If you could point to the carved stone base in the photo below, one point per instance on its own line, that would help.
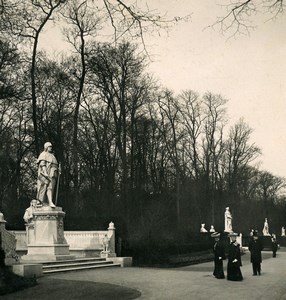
(46, 239)
(106, 254)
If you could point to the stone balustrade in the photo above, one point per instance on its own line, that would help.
(81, 243)
(21, 243)
(7, 243)
(85, 239)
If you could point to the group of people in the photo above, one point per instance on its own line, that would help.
(234, 256)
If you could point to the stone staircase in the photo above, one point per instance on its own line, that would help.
(51, 267)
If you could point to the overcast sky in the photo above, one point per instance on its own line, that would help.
(247, 70)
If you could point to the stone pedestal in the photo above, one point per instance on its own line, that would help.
(106, 254)
(45, 236)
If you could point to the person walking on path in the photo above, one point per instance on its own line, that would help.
(219, 256)
(255, 247)
(274, 245)
(234, 259)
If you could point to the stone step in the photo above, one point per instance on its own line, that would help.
(79, 267)
(77, 260)
(75, 263)
(84, 263)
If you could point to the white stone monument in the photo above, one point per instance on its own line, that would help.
(227, 220)
(44, 220)
(283, 231)
(265, 230)
(203, 228)
(45, 236)
(212, 229)
(108, 243)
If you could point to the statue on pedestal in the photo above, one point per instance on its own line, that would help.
(265, 230)
(105, 243)
(45, 237)
(283, 231)
(227, 220)
(48, 168)
(203, 228)
(212, 229)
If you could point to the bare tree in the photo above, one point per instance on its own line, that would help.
(172, 133)
(239, 154)
(26, 22)
(213, 144)
(268, 189)
(192, 120)
(84, 24)
(240, 15)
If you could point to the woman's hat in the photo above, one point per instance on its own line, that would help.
(232, 234)
(215, 234)
(255, 233)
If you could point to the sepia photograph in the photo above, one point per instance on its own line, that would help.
(142, 149)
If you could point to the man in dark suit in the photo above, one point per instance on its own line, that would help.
(255, 247)
(274, 245)
(219, 256)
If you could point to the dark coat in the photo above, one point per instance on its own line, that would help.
(274, 245)
(219, 256)
(255, 247)
(219, 250)
(233, 267)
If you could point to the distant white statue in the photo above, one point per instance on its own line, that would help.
(28, 216)
(111, 225)
(105, 243)
(265, 230)
(212, 229)
(227, 220)
(283, 231)
(203, 228)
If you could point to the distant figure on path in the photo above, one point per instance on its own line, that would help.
(47, 175)
(227, 220)
(255, 247)
(234, 259)
(219, 256)
(266, 228)
(274, 246)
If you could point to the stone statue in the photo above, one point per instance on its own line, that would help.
(28, 216)
(283, 231)
(111, 225)
(47, 175)
(105, 243)
(212, 229)
(227, 220)
(203, 228)
(265, 230)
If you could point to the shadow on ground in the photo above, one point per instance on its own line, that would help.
(70, 289)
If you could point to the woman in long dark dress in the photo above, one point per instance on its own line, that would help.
(234, 260)
(219, 256)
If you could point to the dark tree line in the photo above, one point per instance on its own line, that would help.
(153, 162)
